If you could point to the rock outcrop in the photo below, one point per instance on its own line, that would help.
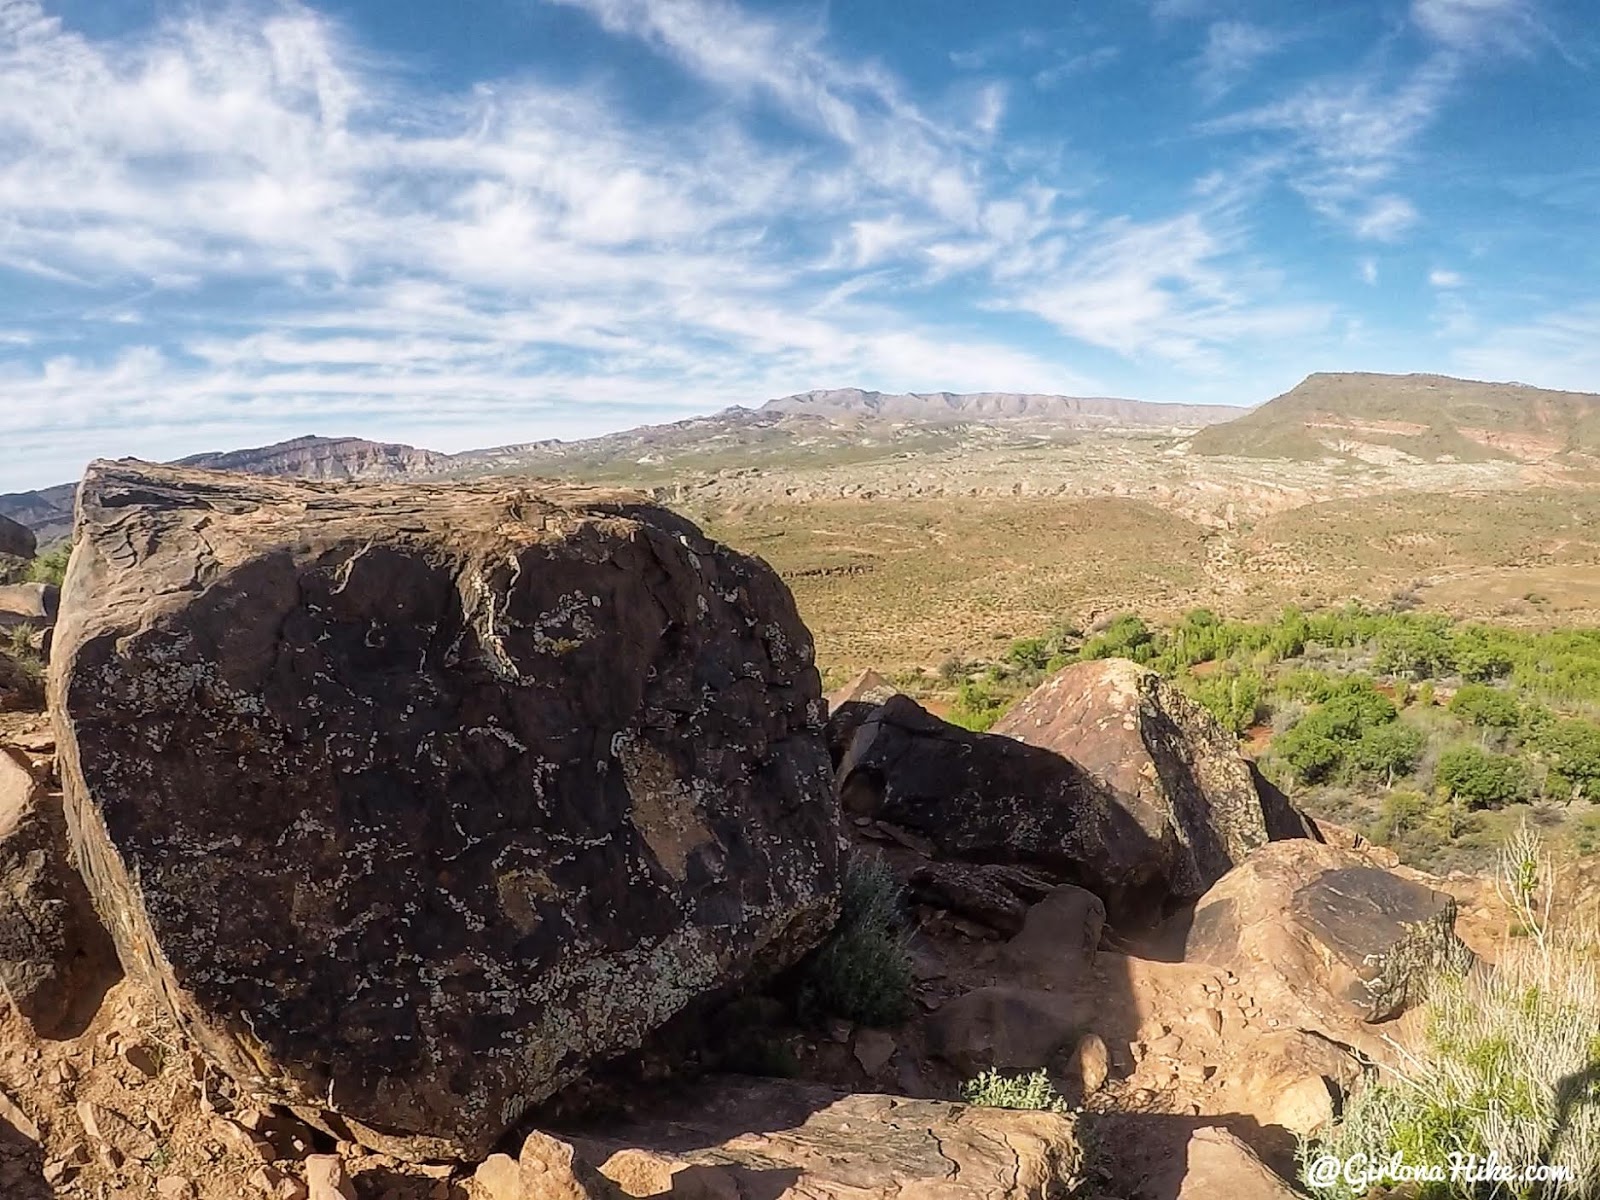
(32, 604)
(1177, 774)
(789, 1141)
(852, 704)
(1367, 938)
(995, 799)
(16, 539)
(413, 802)
(55, 958)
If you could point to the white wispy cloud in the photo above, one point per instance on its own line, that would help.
(1343, 139)
(1231, 51)
(1478, 25)
(1439, 277)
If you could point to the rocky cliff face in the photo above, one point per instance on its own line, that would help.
(415, 802)
(326, 458)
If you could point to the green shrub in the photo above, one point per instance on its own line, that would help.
(1232, 696)
(51, 566)
(1126, 637)
(978, 706)
(1491, 707)
(1481, 779)
(862, 972)
(1572, 749)
(994, 1090)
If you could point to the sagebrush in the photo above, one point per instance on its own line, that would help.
(994, 1090)
(1510, 1062)
(862, 973)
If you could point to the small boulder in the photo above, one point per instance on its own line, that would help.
(1091, 1063)
(1004, 1028)
(873, 1050)
(56, 959)
(1058, 938)
(16, 539)
(1170, 765)
(544, 1169)
(1218, 1166)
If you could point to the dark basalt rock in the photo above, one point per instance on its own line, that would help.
(992, 799)
(16, 539)
(414, 802)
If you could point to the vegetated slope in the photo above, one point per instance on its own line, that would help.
(837, 425)
(1430, 417)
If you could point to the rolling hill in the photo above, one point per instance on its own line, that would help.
(1433, 418)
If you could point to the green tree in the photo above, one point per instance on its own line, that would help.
(1388, 751)
(1572, 748)
(1415, 646)
(1481, 779)
(1491, 707)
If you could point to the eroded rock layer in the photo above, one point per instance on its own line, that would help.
(413, 802)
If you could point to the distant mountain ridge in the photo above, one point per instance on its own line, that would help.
(1433, 418)
(1077, 412)
(1353, 415)
(821, 419)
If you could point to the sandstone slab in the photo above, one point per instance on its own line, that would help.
(786, 1141)
(415, 801)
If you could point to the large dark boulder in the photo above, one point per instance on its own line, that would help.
(1171, 766)
(415, 801)
(983, 798)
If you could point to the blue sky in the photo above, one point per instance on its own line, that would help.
(499, 220)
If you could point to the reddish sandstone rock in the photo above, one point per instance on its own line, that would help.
(415, 801)
(1176, 773)
(1346, 939)
(791, 1141)
(994, 799)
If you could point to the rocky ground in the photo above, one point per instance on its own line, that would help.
(1109, 894)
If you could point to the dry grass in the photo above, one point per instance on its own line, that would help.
(896, 583)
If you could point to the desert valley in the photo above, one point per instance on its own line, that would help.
(996, 796)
